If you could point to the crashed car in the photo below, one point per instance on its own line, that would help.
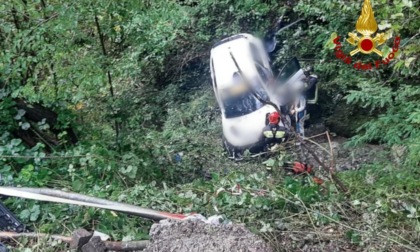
(244, 115)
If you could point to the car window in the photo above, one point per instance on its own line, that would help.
(259, 89)
(263, 72)
(238, 100)
(240, 104)
(289, 69)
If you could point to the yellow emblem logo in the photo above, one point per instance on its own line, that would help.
(366, 25)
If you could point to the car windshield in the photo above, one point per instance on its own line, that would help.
(238, 100)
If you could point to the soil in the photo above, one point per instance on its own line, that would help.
(344, 158)
(196, 235)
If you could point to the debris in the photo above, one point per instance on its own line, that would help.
(126, 246)
(317, 180)
(95, 244)
(104, 237)
(79, 238)
(8, 221)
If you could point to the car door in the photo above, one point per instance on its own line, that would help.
(290, 73)
(289, 82)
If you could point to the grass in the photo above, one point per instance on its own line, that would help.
(289, 214)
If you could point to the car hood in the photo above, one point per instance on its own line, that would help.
(246, 130)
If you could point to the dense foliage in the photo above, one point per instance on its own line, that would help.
(113, 99)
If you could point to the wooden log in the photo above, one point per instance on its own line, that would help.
(110, 245)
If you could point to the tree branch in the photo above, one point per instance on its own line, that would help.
(108, 73)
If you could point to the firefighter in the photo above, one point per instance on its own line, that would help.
(273, 133)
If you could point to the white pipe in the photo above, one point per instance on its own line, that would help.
(69, 195)
(143, 212)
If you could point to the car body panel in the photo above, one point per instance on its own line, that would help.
(246, 130)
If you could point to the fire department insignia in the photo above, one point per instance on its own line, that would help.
(366, 39)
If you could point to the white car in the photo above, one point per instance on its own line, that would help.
(243, 115)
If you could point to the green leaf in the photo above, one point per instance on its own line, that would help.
(35, 211)
(16, 141)
(333, 36)
(384, 25)
(386, 50)
(25, 126)
(353, 236)
(130, 171)
(270, 162)
(21, 112)
(394, 16)
(408, 61)
(77, 185)
(407, 3)
(25, 214)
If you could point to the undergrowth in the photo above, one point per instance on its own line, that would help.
(382, 203)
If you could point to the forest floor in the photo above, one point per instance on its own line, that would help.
(356, 230)
(314, 218)
(344, 157)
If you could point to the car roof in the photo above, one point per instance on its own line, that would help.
(223, 65)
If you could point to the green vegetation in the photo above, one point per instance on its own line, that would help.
(130, 81)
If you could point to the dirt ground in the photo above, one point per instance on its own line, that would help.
(344, 157)
(196, 235)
